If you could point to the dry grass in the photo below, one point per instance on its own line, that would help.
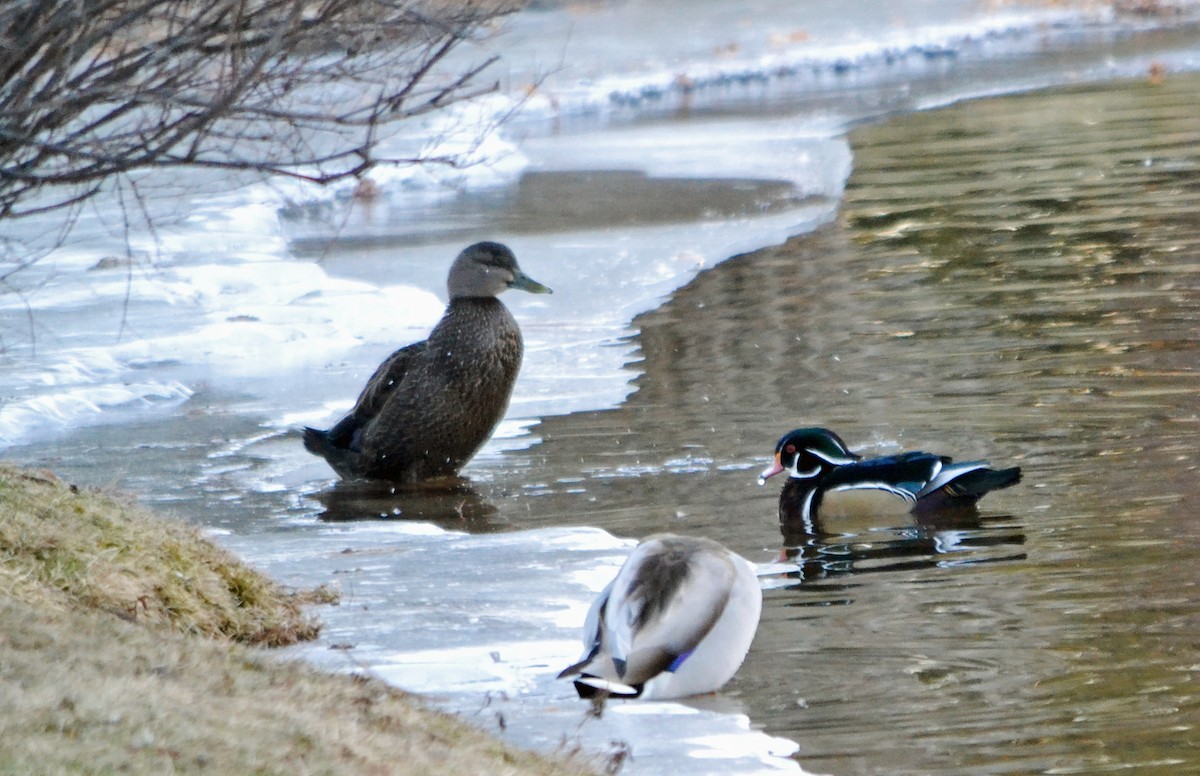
(87, 693)
(84, 691)
(62, 547)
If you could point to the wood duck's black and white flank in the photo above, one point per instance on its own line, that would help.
(677, 620)
(825, 479)
(431, 405)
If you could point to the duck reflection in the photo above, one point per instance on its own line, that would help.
(451, 503)
(823, 547)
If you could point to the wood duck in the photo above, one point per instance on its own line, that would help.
(677, 620)
(432, 404)
(826, 479)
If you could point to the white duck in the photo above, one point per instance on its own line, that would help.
(677, 620)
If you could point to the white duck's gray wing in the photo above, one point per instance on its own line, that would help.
(714, 661)
(663, 603)
(595, 668)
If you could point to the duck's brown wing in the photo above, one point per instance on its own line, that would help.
(386, 380)
(382, 385)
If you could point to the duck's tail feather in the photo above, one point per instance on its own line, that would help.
(577, 668)
(590, 686)
(347, 462)
(318, 442)
(975, 483)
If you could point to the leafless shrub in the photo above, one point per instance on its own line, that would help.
(90, 89)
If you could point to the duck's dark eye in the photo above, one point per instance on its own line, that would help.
(789, 449)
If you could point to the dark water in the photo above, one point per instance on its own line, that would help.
(1016, 279)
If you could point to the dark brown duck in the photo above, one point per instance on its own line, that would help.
(432, 404)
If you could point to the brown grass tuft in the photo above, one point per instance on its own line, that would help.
(63, 547)
(88, 692)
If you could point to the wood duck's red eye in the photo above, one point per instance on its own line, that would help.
(789, 449)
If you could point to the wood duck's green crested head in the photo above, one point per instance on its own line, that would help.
(808, 453)
(488, 269)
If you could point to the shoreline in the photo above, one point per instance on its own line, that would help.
(109, 666)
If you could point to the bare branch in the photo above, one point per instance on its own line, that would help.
(93, 88)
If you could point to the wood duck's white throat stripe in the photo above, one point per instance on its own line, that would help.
(799, 475)
(806, 511)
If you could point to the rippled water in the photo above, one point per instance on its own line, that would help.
(1014, 278)
(1017, 279)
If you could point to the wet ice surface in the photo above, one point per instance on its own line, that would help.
(640, 160)
(484, 623)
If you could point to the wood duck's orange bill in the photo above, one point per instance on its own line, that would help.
(775, 468)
